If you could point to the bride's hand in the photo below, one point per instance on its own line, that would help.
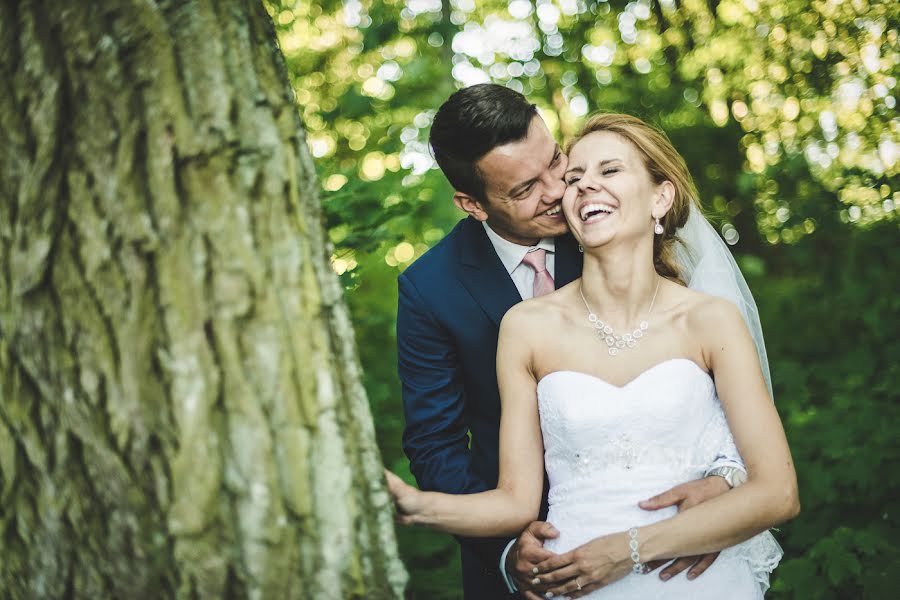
(407, 499)
(589, 567)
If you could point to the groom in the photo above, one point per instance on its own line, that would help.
(507, 171)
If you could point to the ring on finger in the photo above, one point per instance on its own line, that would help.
(578, 585)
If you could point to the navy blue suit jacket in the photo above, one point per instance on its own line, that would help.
(451, 301)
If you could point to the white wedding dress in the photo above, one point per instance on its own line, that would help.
(608, 447)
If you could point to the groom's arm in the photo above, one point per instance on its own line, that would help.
(726, 471)
(435, 438)
(683, 497)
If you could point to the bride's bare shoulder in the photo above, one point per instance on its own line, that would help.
(538, 314)
(713, 314)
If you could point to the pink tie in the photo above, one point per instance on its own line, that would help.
(543, 282)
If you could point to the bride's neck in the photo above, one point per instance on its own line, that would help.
(618, 285)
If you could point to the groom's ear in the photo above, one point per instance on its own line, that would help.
(665, 196)
(470, 206)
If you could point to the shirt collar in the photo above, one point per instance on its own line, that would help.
(511, 254)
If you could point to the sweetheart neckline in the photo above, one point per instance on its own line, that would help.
(633, 380)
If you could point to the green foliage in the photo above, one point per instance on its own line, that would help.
(833, 322)
(785, 113)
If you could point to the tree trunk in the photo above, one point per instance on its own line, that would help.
(181, 413)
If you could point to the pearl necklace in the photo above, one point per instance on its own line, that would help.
(614, 341)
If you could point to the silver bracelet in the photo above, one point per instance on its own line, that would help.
(638, 566)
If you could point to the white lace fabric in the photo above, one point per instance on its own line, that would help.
(608, 447)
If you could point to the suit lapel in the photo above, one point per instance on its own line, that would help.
(483, 274)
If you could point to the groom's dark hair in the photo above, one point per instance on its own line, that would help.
(471, 123)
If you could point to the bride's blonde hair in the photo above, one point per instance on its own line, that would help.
(663, 163)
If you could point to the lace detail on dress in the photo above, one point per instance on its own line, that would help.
(607, 447)
(763, 553)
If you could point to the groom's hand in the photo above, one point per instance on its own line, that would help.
(685, 496)
(526, 553)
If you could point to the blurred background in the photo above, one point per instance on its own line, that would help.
(786, 113)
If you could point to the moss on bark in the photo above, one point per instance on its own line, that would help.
(181, 413)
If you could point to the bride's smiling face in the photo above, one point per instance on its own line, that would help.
(610, 194)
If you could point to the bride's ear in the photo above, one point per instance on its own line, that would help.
(665, 196)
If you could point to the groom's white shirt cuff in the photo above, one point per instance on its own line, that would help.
(506, 578)
(726, 461)
(728, 456)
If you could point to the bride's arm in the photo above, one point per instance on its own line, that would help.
(767, 498)
(516, 501)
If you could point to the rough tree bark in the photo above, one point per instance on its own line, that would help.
(181, 413)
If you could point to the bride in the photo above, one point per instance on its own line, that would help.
(625, 383)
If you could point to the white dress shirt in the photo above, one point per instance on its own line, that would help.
(511, 256)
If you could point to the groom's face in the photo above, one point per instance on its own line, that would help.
(523, 188)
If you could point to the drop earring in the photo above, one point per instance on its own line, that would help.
(581, 248)
(659, 228)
